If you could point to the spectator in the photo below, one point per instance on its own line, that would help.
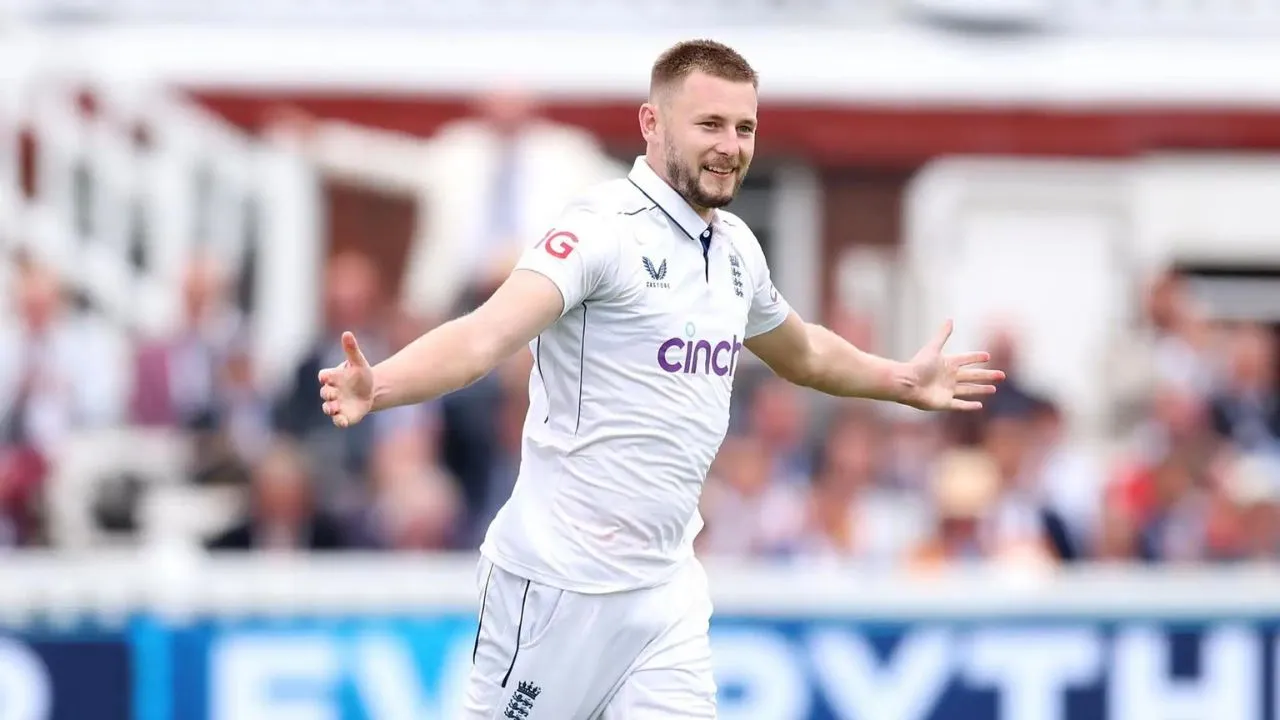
(963, 488)
(914, 441)
(176, 378)
(1067, 478)
(351, 302)
(970, 524)
(1020, 522)
(22, 472)
(1176, 527)
(851, 514)
(779, 424)
(239, 428)
(1172, 346)
(1013, 397)
(283, 514)
(1246, 409)
(1244, 524)
(1116, 541)
(421, 515)
(415, 503)
(747, 511)
(59, 371)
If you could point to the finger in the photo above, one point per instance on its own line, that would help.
(330, 408)
(965, 405)
(979, 375)
(354, 356)
(973, 358)
(966, 390)
(341, 421)
(329, 392)
(328, 376)
(944, 334)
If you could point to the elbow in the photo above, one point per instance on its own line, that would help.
(800, 370)
(792, 356)
(812, 364)
(806, 374)
(804, 364)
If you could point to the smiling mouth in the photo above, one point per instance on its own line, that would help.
(718, 173)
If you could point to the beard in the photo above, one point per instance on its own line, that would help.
(686, 180)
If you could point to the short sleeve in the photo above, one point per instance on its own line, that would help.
(578, 255)
(768, 307)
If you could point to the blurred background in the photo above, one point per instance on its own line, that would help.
(196, 198)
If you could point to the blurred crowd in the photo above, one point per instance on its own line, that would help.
(1188, 473)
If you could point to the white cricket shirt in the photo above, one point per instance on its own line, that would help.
(629, 394)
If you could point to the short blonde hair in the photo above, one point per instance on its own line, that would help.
(685, 58)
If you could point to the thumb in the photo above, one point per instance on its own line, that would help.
(944, 334)
(354, 356)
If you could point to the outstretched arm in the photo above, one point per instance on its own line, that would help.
(446, 359)
(812, 356)
(553, 276)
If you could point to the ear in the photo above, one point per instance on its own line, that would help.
(649, 121)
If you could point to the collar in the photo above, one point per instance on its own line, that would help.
(667, 199)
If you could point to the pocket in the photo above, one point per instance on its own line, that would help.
(543, 608)
(484, 575)
(484, 572)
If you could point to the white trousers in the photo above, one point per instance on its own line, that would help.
(547, 654)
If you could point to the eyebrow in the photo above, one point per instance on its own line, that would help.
(720, 118)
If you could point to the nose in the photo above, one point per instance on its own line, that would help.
(728, 144)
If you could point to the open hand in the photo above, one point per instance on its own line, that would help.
(347, 390)
(949, 382)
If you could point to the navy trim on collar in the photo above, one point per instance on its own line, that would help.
(670, 202)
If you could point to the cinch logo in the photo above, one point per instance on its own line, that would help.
(695, 356)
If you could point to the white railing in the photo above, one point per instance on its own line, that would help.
(622, 14)
(102, 199)
(1163, 17)
(1130, 18)
(1134, 17)
(174, 583)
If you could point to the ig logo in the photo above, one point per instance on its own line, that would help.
(559, 243)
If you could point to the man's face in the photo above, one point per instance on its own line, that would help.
(351, 290)
(706, 131)
(39, 298)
